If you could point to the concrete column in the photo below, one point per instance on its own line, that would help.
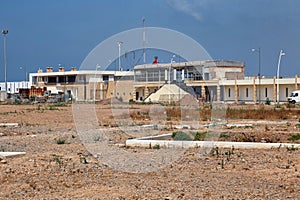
(254, 90)
(134, 94)
(146, 91)
(203, 91)
(174, 74)
(166, 75)
(236, 91)
(296, 82)
(101, 91)
(218, 93)
(274, 90)
(159, 76)
(182, 74)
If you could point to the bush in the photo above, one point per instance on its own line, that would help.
(294, 137)
(181, 136)
(60, 141)
(200, 136)
(268, 102)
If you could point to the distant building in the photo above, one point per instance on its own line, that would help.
(220, 81)
(85, 85)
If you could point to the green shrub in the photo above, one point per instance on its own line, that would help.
(179, 135)
(294, 137)
(268, 102)
(200, 136)
(53, 108)
(60, 141)
(157, 146)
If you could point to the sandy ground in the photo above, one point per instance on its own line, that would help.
(68, 171)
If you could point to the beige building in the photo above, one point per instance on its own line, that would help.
(222, 81)
(85, 85)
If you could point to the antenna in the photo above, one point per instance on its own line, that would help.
(144, 40)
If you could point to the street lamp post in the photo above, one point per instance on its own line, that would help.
(5, 32)
(259, 75)
(170, 67)
(119, 45)
(281, 53)
(25, 75)
(97, 67)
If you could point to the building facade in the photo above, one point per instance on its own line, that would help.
(220, 81)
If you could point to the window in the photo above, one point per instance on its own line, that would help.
(228, 92)
(286, 92)
(266, 92)
(247, 93)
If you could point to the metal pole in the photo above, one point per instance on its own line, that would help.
(119, 44)
(144, 41)
(278, 68)
(4, 32)
(259, 78)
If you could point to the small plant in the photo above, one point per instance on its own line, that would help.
(53, 108)
(268, 102)
(61, 105)
(182, 136)
(292, 148)
(224, 135)
(57, 159)
(83, 160)
(294, 137)
(60, 141)
(157, 146)
(200, 136)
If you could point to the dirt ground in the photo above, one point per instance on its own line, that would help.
(58, 166)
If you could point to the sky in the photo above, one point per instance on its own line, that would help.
(46, 33)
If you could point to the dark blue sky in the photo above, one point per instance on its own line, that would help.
(50, 32)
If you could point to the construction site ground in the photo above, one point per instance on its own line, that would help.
(57, 164)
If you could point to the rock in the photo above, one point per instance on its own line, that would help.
(2, 134)
(3, 162)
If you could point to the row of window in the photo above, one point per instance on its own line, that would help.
(266, 92)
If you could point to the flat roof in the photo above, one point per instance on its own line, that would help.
(84, 72)
(203, 63)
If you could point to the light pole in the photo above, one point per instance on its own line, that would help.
(97, 67)
(119, 45)
(259, 75)
(170, 66)
(5, 32)
(25, 75)
(281, 53)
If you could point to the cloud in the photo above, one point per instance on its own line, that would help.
(193, 8)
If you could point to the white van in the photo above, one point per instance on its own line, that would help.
(295, 97)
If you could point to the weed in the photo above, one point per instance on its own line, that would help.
(83, 160)
(61, 105)
(157, 146)
(224, 135)
(268, 102)
(294, 137)
(57, 159)
(53, 108)
(200, 136)
(60, 141)
(182, 136)
(292, 148)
